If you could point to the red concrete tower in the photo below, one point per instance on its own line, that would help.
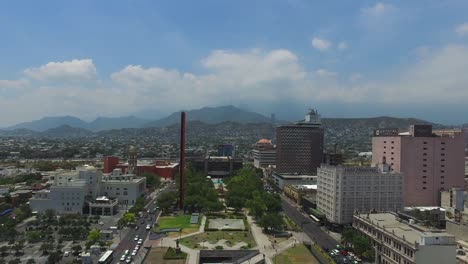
(182, 160)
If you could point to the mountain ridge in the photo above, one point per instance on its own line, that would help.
(207, 115)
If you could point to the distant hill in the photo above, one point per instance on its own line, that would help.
(50, 122)
(66, 131)
(373, 122)
(99, 124)
(19, 132)
(212, 115)
(107, 123)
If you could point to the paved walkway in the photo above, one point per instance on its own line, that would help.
(192, 253)
(265, 246)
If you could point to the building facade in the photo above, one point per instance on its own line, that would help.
(69, 191)
(282, 179)
(163, 168)
(399, 242)
(297, 192)
(452, 199)
(299, 147)
(431, 160)
(343, 190)
(264, 154)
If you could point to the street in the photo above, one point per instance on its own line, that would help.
(311, 229)
(127, 242)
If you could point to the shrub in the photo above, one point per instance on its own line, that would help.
(219, 247)
(172, 254)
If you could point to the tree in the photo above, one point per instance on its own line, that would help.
(271, 222)
(4, 250)
(152, 180)
(127, 218)
(46, 247)
(19, 245)
(94, 236)
(166, 200)
(235, 202)
(14, 261)
(31, 261)
(76, 249)
(49, 215)
(256, 205)
(53, 258)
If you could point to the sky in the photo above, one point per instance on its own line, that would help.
(150, 58)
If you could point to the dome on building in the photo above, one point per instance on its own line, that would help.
(264, 141)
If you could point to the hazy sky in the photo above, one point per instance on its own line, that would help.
(346, 58)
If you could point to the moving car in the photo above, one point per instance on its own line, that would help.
(123, 257)
(140, 241)
(136, 238)
(129, 259)
(126, 252)
(148, 227)
(134, 253)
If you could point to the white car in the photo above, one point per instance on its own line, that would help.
(129, 259)
(66, 254)
(136, 238)
(148, 227)
(137, 247)
(140, 241)
(126, 252)
(134, 253)
(123, 257)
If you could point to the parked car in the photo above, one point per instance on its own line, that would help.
(140, 241)
(148, 227)
(126, 252)
(136, 238)
(123, 257)
(66, 254)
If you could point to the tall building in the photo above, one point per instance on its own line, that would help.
(398, 242)
(226, 150)
(431, 160)
(132, 160)
(264, 154)
(299, 147)
(342, 190)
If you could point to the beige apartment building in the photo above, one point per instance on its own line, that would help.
(399, 242)
(342, 190)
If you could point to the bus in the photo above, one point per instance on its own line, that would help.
(315, 220)
(106, 258)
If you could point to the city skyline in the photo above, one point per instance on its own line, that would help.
(351, 59)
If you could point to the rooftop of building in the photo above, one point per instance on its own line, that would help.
(424, 208)
(294, 175)
(411, 233)
(304, 186)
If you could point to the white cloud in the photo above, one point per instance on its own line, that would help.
(462, 30)
(66, 70)
(321, 44)
(377, 10)
(325, 73)
(13, 84)
(343, 45)
(355, 77)
(382, 17)
(254, 77)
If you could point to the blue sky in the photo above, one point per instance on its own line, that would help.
(346, 58)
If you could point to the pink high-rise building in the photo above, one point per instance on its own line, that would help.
(430, 160)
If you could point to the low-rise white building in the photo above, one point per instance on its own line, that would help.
(281, 179)
(342, 190)
(70, 190)
(398, 242)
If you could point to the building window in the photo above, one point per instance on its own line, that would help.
(442, 149)
(424, 159)
(442, 177)
(442, 166)
(442, 160)
(384, 147)
(393, 142)
(442, 182)
(424, 170)
(424, 154)
(424, 165)
(424, 177)
(424, 142)
(443, 143)
(425, 148)
(424, 188)
(442, 171)
(424, 182)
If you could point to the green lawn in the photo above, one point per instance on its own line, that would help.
(180, 221)
(296, 255)
(233, 237)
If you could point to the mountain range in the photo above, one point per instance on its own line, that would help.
(208, 115)
(69, 126)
